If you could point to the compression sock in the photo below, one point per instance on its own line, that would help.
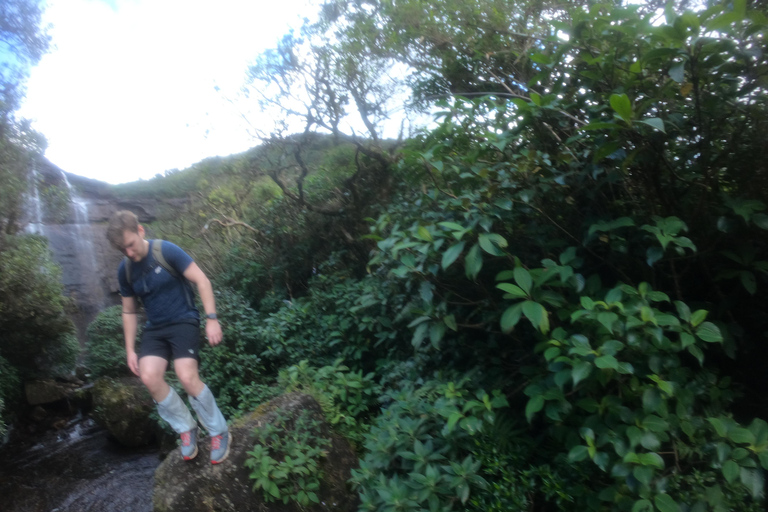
(208, 412)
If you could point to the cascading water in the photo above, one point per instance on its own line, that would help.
(70, 238)
(35, 207)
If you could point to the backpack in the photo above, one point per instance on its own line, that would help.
(157, 253)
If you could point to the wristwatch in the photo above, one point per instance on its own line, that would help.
(211, 316)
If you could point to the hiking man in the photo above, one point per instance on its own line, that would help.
(159, 272)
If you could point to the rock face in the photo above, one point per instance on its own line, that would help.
(76, 227)
(123, 408)
(199, 486)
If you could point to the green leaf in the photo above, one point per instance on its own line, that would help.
(534, 405)
(578, 453)
(581, 371)
(665, 503)
(753, 480)
(450, 321)
(492, 243)
(622, 106)
(523, 279)
(741, 436)
(599, 126)
(607, 362)
(642, 506)
(709, 332)
(731, 471)
(513, 290)
(511, 317)
(677, 72)
(473, 262)
(450, 255)
(537, 315)
(654, 122)
(424, 234)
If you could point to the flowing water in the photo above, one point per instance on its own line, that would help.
(76, 468)
(67, 463)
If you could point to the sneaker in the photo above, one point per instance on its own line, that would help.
(189, 444)
(220, 447)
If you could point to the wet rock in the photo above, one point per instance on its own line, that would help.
(123, 407)
(38, 414)
(199, 486)
(39, 392)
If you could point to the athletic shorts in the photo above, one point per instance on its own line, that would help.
(171, 341)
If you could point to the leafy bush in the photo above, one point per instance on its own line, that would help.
(106, 344)
(61, 358)
(32, 306)
(10, 389)
(347, 398)
(285, 462)
(233, 369)
(419, 451)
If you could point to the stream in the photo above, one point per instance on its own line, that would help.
(76, 468)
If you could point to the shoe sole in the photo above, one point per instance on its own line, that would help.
(191, 456)
(226, 453)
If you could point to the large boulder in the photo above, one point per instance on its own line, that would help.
(123, 407)
(199, 486)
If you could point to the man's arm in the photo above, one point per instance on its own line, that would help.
(205, 289)
(130, 327)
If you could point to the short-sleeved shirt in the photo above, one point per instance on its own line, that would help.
(167, 299)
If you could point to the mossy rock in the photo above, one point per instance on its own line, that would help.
(199, 486)
(123, 407)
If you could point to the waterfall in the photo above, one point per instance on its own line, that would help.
(71, 241)
(34, 211)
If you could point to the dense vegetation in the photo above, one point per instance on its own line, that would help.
(552, 300)
(37, 336)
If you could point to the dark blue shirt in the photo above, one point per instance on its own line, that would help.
(166, 299)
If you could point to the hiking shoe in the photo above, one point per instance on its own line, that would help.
(220, 447)
(189, 444)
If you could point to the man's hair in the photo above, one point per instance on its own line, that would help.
(121, 222)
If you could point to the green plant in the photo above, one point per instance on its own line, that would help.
(233, 369)
(346, 397)
(105, 345)
(419, 451)
(286, 462)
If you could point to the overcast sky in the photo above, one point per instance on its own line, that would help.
(128, 89)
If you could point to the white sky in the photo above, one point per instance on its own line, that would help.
(127, 90)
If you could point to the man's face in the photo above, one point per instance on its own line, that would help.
(134, 245)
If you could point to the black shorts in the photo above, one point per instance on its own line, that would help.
(171, 341)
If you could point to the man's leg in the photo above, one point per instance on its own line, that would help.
(202, 401)
(170, 406)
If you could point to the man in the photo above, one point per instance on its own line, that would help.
(172, 331)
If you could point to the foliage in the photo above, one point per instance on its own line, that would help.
(233, 369)
(10, 387)
(583, 231)
(105, 346)
(419, 450)
(32, 307)
(286, 462)
(346, 397)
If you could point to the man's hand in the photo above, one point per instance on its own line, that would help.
(213, 332)
(133, 362)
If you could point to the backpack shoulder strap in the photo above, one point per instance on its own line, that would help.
(127, 265)
(157, 253)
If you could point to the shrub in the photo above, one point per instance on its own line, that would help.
(419, 451)
(10, 389)
(106, 344)
(347, 398)
(285, 462)
(233, 369)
